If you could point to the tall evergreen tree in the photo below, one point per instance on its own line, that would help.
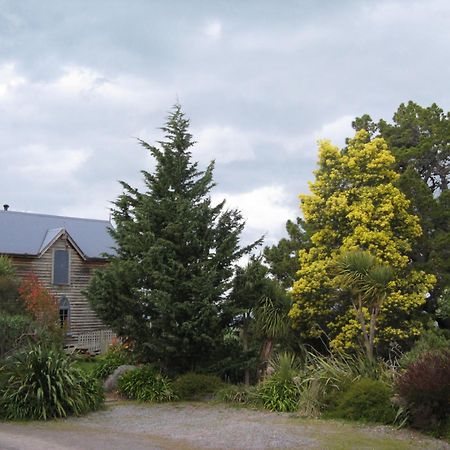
(282, 258)
(176, 252)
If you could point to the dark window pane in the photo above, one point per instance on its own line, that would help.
(61, 267)
(64, 309)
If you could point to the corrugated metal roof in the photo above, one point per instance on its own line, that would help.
(28, 233)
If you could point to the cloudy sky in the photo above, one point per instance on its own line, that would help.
(261, 81)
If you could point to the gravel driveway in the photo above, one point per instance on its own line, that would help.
(189, 426)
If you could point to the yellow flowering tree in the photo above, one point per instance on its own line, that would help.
(355, 205)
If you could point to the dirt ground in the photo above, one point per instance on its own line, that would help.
(192, 426)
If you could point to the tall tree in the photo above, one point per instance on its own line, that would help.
(355, 204)
(282, 258)
(176, 252)
(419, 138)
(260, 307)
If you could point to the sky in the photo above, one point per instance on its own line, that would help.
(261, 82)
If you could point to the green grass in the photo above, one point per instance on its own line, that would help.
(87, 366)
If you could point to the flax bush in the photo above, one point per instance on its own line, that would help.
(41, 383)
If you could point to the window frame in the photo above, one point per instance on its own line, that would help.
(68, 266)
(66, 308)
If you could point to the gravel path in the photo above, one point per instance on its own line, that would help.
(183, 426)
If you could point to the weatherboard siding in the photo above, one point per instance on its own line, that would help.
(81, 317)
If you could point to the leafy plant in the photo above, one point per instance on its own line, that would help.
(10, 302)
(324, 377)
(193, 386)
(431, 340)
(13, 332)
(116, 356)
(281, 392)
(241, 394)
(425, 388)
(366, 399)
(41, 383)
(146, 384)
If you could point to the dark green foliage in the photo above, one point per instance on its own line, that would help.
(281, 392)
(115, 356)
(419, 138)
(41, 383)
(175, 257)
(232, 361)
(14, 333)
(367, 400)
(239, 394)
(146, 384)
(282, 258)
(195, 386)
(10, 302)
(425, 388)
(430, 341)
(259, 306)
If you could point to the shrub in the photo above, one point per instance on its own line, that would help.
(281, 392)
(425, 388)
(41, 383)
(10, 302)
(240, 394)
(146, 384)
(366, 399)
(431, 340)
(323, 378)
(193, 386)
(116, 356)
(278, 394)
(13, 332)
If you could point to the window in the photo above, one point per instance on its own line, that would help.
(61, 267)
(64, 310)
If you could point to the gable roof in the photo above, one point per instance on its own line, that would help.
(31, 234)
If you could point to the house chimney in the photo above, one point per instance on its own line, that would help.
(5, 207)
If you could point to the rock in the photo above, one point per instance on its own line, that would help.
(110, 383)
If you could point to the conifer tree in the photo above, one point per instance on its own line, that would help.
(355, 205)
(176, 251)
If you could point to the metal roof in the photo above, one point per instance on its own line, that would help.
(30, 234)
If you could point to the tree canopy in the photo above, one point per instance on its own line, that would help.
(176, 253)
(419, 139)
(355, 204)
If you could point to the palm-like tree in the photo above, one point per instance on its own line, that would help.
(367, 280)
(272, 321)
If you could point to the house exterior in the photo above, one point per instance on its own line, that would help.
(63, 253)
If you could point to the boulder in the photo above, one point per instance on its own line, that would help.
(110, 383)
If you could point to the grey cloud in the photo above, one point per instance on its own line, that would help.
(277, 75)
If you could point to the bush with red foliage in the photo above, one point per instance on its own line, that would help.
(40, 303)
(425, 389)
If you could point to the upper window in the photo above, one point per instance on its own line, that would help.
(61, 267)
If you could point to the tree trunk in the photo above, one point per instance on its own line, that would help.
(373, 327)
(362, 322)
(266, 353)
(245, 347)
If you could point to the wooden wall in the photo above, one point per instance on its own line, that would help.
(81, 319)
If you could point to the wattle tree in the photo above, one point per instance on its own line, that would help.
(355, 205)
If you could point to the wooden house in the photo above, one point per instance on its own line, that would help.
(62, 252)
